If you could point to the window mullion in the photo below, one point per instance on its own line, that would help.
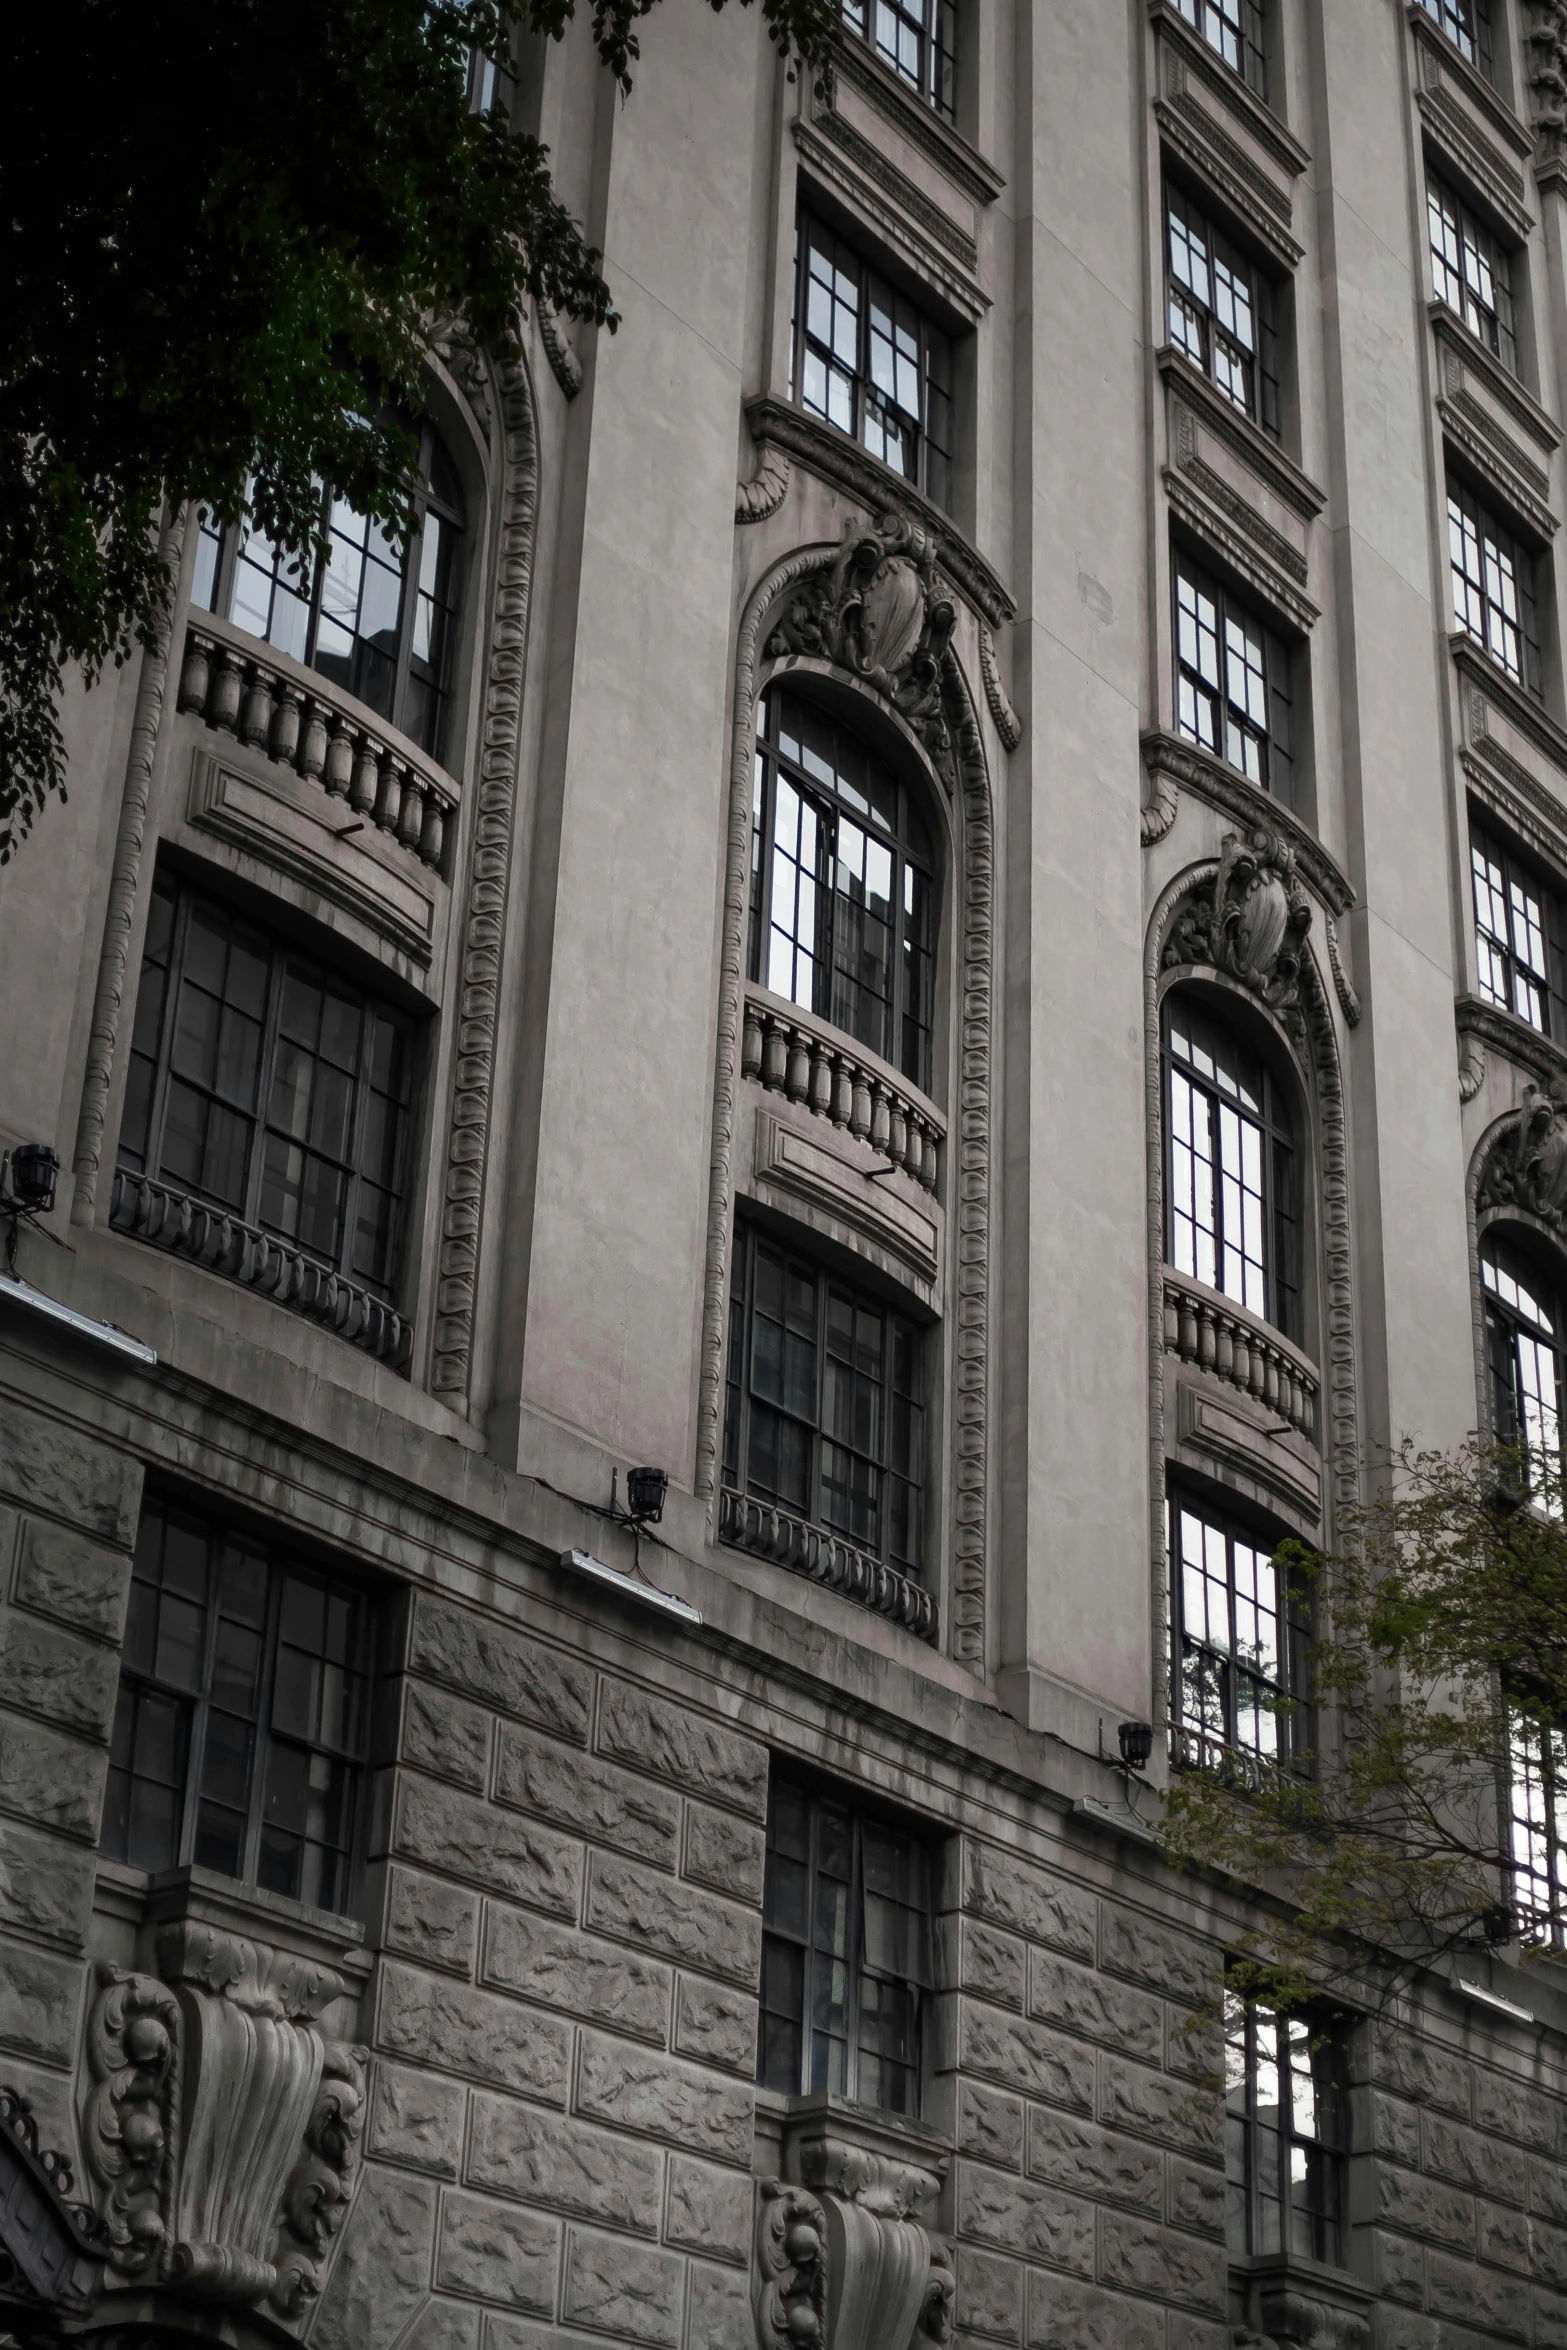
(354, 1165)
(412, 554)
(258, 1132)
(854, 1953)
(201, 1705)
(261, 1750)
(163, 1069)
(318, 564)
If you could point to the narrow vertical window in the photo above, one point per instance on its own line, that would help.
(1230, 1216)
(1518, 937)
(1471, 270)
(1220, 311)
(870, 362)
(1524, 1335)
(1242, 1645)
(1232, 682)
(1234, 29)
(1285, 2133)
(1493, 588)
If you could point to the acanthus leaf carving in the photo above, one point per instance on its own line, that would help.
(1251, 921)
(1526, 1166)
(843, 2261)
(1547, 43)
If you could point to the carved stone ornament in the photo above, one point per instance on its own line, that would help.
(883, 612)
(842, 2260)
(451, 338)
(1294, 2314)
(1251, 922)
(51, 2247)
(1547, 47)
(221, 2129)
(1526, 1166)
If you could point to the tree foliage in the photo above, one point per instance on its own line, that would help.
(229, 231)
(1441, 1656)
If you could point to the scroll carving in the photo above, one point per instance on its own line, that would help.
(565, 366)
(1526, 1166)
(1252, 922)
(759, 499)
(1471, 1067)
(843, 2262)
(1008, 724)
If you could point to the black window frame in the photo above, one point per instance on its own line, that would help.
(1234, 30)
(1537, 1824)
(1520, 923)
(745, 1397)
(198, 1702)
(1249, 659)
(915, 905)
(1467, 24)
(1263, 1718)
(221, 550)
(1526, 1406)
(1240, 1082)
(144, 1123)
(1480, 613)
(1193, 242)
(932, 26)
(1470, 253)
(1259, 2188)
(806, 1944)
(870, 410)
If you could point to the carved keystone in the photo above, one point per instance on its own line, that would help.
(843, 2261)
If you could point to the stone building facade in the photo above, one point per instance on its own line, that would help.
(934, 908)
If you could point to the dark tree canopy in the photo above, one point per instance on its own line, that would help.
(229, 230)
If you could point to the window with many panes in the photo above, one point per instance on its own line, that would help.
(846, 1953)
(1220, 311)
(1519, 938)
(1234, 29)
(1232, 681)
(918, 39)
(1471, 270)
(240, 1729)
(263, 1083)
(1242, 1643)
(1285, 2133)
(1231, 1218)
(1524, 1337)
(1537, 1827)
(1467, 24)
(825, 1402)
(843, 886)
(868, 360)
(1493, 587)
(377, 622)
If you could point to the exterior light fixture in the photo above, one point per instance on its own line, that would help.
(645, 1491)
(1496, 1923)
(1136, 1742)
(27, 1179)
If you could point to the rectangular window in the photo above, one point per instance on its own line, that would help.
(826, 1411)
(1285, 2133)
(1232, 682)
(1538, 1828)
(262, 1083)
(918, 39)
(1220, 311)
(1471, 271)
(1242, 1645)
(1493, 588)
(868, 360)
(1234, 29)
(846, 1954)
(1467, 24)
(1519, 937)
(239, 1735)
(1231, 1219)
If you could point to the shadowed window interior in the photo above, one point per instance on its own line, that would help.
(1231, 1218)
(1241, 1643)
(239, 1734)
(918, 39)
(1471, 270)
(1219, 311)
(1493, 588)
(375, 620)
(846, 1953)
(1285, 2132)
(825, 1401)
(1537, 1828)
(1232, 681)
(1467, 24)
(868, 360)
(843, 889)
(1234, 29)
(264, 1083)
(1519, 937)
(1523, 1335)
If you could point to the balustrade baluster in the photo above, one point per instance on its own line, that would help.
(1207, 1346)
(820, 1095)
(366, 777)
(312, 741)
(340, 759)
(881, 1120)
(410, 822)
(286, 714)
(1271, 1390)
(255, 718)
(842, 1091)
(897, 1130)
(1240, 1370)
(914, 1147)
(798, 1077)
(227, 686)
(388, 793)
(195, 671)
(860, 1115)
(1172, 1321)
(931, 1168)
(1224, 1347)
(751, 1044)
(1188, 1328)
(775, 1054)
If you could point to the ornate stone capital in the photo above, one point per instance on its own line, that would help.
(844, 2260)
(1251, 921)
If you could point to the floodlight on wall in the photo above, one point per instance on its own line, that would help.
(1136, 1743)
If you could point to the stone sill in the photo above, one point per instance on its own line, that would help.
(1507, 389)
(978, 178)
(1483, 95)
(1266, 456)
(1530, 716)
(251, 1911)
(1266, 127)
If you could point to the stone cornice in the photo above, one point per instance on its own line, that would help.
(1504, 387)
(1514, 1039)
(1471, 81)
(897, 184)
(833, 457)
(1223, 788)
(930, 245)
(979, 179)
(1231, 528)
(1523, 711)
(1243, 102)
(1507, 473)
(1278, 472)
(1224, 166)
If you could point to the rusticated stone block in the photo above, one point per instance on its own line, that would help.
(442, 1829)
(431, 1920)
(1481, 2297)
(1400, 2268)
(38, 2002)
(1178, 2112)
(990, 1964)
(505, 1669)
(708, 2211)
(631, 1905)
(1198, 2333)
(702, 1757)
(990, 2294)
(627, 2290)
(1024, 2056)
(990, 2125)
(1064, 2315)
(591, 1798)
(1547, 2189)
(460, 2030)
(1193, 2044)
(1403, 2329)
(1550, 2321)
(54, 1781)
(442, 1734)
(416, 2119)
(77, 1582)
(1069, 2152)
(1424, 2207)
(47, 1467)
(382, 2269)
(1523, 2116)
(720, 2314)
(515, 2333)
(1017, 2216)
(544, 2158)
(1502, 2236)
(1141, 2258)
(1006, 1891)
(716, 2025)
(1194, 2198)
(44, 1670)
(1421, 2071)
(497, 2254)
(636, 2089)
(1472, 2160)
(724, 1852)
(445, 2325)
(562, 1968)
(1092, 2005)
(1388, 2125)
(1548, 2254)
(1183, 1965)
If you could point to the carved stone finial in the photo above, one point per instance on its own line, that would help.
(1251, 920)
(883, 612)
(1526, 1166)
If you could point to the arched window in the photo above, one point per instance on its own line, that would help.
(843, 886)
(1230, 1179)
(377, 623)
(1523, 1334)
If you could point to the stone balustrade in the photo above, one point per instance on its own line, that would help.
(242, 687)
(772, 1533)
(790, 1052)
(1203, 1327)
